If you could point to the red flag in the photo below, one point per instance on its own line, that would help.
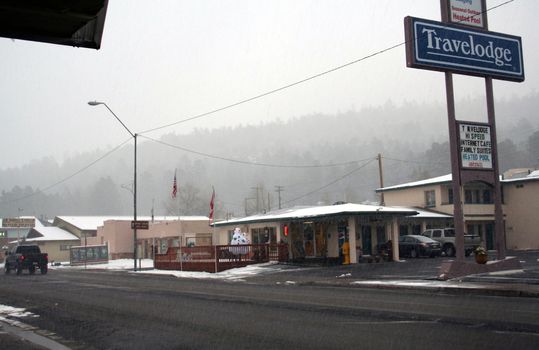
(174, 187)
(212, 204)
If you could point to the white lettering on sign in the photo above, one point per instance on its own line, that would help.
(498, 55)
(466, 12)
(475, 146)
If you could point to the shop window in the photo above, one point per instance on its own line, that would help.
(264, 235)
(450, 195)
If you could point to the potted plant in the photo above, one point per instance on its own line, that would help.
(481, 255)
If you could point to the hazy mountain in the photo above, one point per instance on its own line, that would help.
(412, 139)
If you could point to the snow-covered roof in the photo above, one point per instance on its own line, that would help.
(93, 222)
(428, 214)
(52, 234)
(319, 211)
(426, 182)
(533, 176)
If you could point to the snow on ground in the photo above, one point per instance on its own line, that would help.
(118, 264)
(6, 311)
(236, 274)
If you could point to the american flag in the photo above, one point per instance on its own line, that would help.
(174, 187)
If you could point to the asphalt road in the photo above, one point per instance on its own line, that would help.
(119, 310)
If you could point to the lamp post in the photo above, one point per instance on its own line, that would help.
(96, 103)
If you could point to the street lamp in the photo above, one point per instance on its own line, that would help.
(96, 103)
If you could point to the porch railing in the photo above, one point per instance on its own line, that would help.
(220, 257)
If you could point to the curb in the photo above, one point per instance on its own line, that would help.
(423, 286)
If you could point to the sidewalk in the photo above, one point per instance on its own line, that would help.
(418, 274)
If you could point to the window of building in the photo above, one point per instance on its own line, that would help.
(430, 199)
(487, 196)
(450, 195)
(263, 235)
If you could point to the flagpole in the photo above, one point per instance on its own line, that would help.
(214, 237)
(179, 213)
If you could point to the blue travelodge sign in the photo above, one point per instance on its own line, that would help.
(439, 46)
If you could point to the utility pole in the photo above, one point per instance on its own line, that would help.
(257, 198)
(19, 227)
(279, 189)
(381, 172)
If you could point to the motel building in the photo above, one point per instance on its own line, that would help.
(320, 232)
(520, 204)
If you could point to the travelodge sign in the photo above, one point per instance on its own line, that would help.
(439, 46)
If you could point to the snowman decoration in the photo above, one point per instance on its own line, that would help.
(239, 238)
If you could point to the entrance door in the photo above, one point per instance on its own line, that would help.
(308, 239)
(320, 239)
(366, 240)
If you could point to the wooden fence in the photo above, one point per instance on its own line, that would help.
(219, 258)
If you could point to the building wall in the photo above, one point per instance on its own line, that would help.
(55, 249)
(414, 196)
(522, 214)
(118, 234)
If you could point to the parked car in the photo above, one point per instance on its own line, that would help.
(415, 246)
(446, 237)
(411, 245)
(28, 257)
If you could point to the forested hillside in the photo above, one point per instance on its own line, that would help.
(315, 158)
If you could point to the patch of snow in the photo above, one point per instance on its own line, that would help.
(10, 311)
(118, 264)
(345, 275)
(506, 272)
(236, 274)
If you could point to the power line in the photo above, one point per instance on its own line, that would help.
(254, 163)
(318, 75)
(69, 177)
(274, 90)
(415, 161)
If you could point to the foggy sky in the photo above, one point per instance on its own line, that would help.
(164, 61)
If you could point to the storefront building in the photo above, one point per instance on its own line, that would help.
(331, 233)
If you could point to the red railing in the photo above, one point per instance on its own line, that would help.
(203, 258)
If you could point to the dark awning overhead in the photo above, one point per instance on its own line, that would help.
(65, 22)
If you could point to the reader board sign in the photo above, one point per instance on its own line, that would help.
(443, 47)
(466, 12)
(475, 145)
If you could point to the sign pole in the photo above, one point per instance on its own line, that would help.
(498, 211)
(458, 212)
